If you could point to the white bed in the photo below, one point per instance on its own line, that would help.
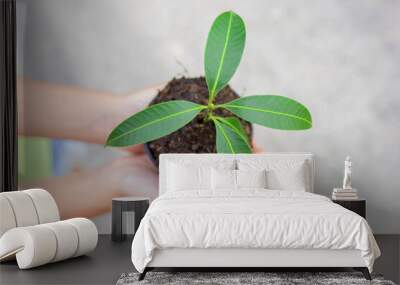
(248, 227)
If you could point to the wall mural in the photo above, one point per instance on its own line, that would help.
(87, 75)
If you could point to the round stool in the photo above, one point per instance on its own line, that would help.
(123, 210)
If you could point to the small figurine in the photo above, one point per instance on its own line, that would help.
(347, 174)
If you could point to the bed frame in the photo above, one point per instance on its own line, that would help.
(234, 259)
(249, 259)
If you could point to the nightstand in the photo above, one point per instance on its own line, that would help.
(358, 206)
(127, 212)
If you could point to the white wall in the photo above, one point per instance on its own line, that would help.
(340, 58)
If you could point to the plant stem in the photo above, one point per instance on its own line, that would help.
(210, 108)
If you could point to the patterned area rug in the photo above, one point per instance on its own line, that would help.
(231, 278)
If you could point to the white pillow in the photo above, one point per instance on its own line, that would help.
(182, 177)
(282, 174)
(226, 179)
(223, 179)
(293, 179)
(251, 178)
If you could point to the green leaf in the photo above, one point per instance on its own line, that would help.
(271, 111)
(154, 122)
(237, 127)
(228, 139)
(224, 49)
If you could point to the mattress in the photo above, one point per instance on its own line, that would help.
(250, 219)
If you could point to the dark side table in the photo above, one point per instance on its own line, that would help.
(357, 206)
(123, 210)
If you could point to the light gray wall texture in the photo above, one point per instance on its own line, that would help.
(340, 58)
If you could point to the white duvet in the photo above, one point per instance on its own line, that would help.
(250, 219)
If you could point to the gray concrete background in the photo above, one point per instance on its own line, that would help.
(340, 58)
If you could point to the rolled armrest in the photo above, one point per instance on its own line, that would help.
(26, 208)
(40, 244)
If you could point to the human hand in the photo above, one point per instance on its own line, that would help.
(74, 113)
(132, 103)
(132, 176)
(136, 175)
(88, 192)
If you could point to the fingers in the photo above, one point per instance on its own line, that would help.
(134, 176)
(134, 162)
(140, 99)
(256, 148)
(135, 149)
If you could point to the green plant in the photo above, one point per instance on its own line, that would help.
(224, 49)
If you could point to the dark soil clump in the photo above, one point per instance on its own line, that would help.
(198, 136)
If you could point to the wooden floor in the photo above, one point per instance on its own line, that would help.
(110, 260)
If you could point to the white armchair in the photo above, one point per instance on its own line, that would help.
(31, 230)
